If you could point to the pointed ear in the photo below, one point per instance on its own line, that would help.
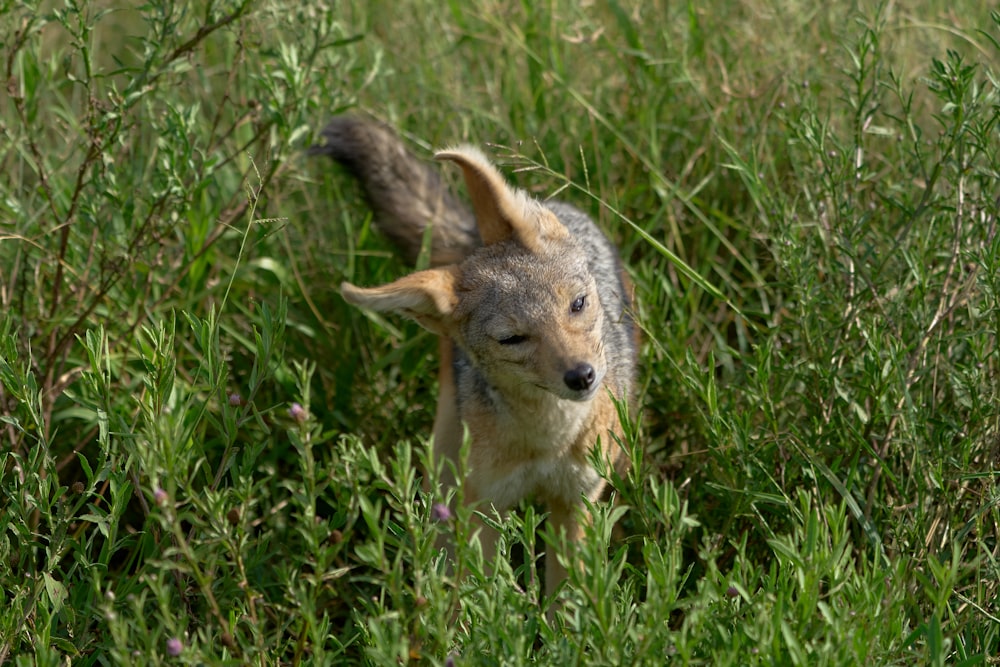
(427, 297)
(502, 212)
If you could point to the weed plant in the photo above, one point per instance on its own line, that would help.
(208, 458)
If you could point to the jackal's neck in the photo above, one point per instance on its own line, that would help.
(538, 418)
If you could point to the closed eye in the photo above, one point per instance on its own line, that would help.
(512, 340)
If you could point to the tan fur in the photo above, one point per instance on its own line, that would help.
(532, 351)
(448, 432)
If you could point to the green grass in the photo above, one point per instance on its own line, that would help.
(206, 452)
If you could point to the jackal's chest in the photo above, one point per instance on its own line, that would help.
(561, 480)
(542, 452)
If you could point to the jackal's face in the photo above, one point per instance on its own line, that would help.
(524, 307)
(532, 319)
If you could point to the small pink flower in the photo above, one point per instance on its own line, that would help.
(440, 512)
(160, 496)
(235, 399)
(174, 647)
(297, 412)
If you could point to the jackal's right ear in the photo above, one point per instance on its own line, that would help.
(502, 212)
(427, 297)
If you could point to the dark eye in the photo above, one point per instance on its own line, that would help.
(512, 340)
(578, 305)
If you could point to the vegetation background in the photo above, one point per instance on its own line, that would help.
(208, 458)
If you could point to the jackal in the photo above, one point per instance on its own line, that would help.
(533, 309)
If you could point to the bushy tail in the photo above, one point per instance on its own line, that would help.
(405, 193)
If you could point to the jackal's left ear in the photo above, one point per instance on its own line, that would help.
(427, 297)
(502, 212)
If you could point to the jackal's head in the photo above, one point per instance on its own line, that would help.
(524, 307)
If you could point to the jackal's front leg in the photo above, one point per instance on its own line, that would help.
(569, 520)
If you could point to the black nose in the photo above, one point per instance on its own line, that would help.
(580, 378)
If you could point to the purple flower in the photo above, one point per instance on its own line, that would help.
(235, 399)
(732, 592)
(440, 512)
(174, 647)
(160, 496)
(297, 412)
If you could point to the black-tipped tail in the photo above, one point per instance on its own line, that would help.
(405, 193)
